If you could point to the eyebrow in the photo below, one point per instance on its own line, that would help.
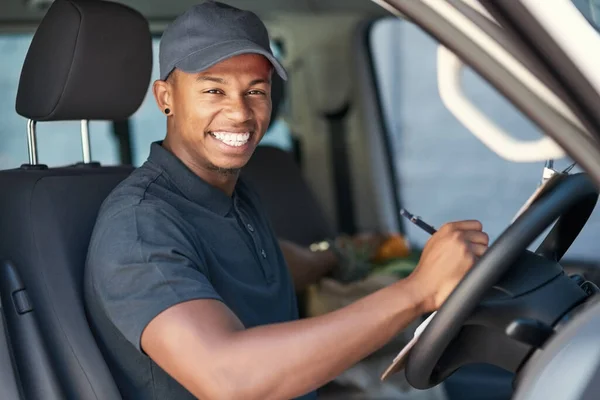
(223, 81)
(257, 81)
(211, 79)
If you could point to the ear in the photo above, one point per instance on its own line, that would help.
(163, 96)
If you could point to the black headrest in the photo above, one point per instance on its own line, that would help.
(88, 59)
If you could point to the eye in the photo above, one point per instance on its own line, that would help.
(256, 93)
(213, 91)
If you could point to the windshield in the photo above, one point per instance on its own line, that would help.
(590, 10)
(443, 172)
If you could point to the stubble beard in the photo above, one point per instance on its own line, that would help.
(224, 171)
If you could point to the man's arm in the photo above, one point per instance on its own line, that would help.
(306, 267)
(204, 346)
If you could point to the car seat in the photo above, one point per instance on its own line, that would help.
(88, 60)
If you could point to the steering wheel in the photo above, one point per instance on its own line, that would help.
(570, 203)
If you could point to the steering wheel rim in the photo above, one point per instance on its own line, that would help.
(572, 199)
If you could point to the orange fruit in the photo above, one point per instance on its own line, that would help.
(395, 246)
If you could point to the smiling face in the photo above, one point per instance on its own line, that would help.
(217, 116)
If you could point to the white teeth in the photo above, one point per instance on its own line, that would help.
(232, 139)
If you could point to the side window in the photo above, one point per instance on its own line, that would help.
(148, 124)
(58, 143)
(444, 172)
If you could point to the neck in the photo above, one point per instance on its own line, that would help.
(225, 180)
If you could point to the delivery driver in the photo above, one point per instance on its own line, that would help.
(187, 289)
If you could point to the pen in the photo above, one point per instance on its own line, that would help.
(418, 222)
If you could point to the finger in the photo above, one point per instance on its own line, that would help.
(478, 249)
(467, 225)
(477, 237)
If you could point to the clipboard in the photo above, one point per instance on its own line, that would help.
(400, 360)
(539, 192)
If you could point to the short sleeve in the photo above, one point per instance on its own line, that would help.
(142, 261)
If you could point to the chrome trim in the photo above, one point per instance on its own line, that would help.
(85, 141)
(32, 142)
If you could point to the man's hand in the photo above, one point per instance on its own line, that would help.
(446, 258)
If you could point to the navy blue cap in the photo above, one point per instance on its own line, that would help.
(209, 33)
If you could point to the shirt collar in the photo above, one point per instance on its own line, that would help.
(191, 185)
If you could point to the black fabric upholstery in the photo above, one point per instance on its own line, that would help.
(294, 211)
(87, 60)
(46, 221)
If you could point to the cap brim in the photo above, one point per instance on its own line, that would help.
(206, 58)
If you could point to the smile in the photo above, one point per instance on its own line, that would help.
(231, 138)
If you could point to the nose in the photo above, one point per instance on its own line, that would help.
(238, 109)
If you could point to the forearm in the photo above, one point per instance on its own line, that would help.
(286, 360)
(305, 266)
(204, 345)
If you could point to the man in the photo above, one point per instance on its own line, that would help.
(186, 287)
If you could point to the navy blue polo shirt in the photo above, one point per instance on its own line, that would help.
(165, 236)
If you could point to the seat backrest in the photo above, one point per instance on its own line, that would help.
(290, 203)
(90, 60)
